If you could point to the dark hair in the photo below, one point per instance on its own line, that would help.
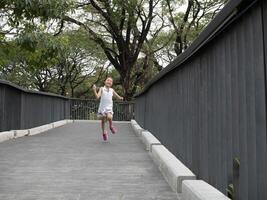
(109, 77)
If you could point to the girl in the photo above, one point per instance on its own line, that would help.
(105, 110)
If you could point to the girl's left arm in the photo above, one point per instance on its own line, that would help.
(117, 96)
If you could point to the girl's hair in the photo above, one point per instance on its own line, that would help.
(109, 77)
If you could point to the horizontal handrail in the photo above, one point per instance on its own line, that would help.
(7, 83)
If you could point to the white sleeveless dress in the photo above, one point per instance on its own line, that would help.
(106, 102)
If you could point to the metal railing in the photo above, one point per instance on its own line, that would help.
(87, 110)
(23, 109)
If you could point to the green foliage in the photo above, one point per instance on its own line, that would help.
(61, 64)
(236, 163)
(91, 37)
(29, 9)
(230, 191)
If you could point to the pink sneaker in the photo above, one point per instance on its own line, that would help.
(105, 136)
(113, 129)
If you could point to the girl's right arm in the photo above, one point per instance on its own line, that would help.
(97, 94)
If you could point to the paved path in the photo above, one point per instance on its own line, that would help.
(72, 163)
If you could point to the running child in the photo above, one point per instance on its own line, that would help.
(105, 110)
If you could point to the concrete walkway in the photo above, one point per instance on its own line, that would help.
(72, 163)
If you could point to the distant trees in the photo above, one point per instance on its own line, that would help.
(120, 28)
(54, 64)
(23, 15)
(66, 46)
(187, 25)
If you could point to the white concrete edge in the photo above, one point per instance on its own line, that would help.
(136, 128)
(200, 190)
(21, 133)
(178, 176)
(41, 129)
(6, 135)
(133, 122)
(149, 140)
(13, 134)
(173, 170)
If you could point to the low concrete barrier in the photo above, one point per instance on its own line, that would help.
(138, 130)
(21, 133)
(172, 169)
(69, 121)
(59, 123)
(40, 129)
(133, 122)
(148, 139)
(180, 178)
(200, 190)
(7, 135)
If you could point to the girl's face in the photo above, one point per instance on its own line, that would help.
(108, 82)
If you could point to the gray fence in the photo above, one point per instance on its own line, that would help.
(209, 106)
(87, 110)
(21, 109)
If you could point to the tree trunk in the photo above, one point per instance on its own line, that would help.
(126, 83)
(72, 92)
(63, 90)
(178, 46)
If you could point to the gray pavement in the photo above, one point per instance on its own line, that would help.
(72, 163)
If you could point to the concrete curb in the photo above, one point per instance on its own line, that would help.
(137, 129)
(200, 190)
(148, 139)
(7, 135)
(178, 176)
(41, 129)
(21, 133)
(174, 171)
(133, 122)
(13, 134)
(59, 123)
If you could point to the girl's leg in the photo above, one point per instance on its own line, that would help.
(109, 118)
(112, 128)
(105, 134)
(103, 124)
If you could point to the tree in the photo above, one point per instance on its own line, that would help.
(27, 62)
(20, 15)
(74, 66)
(138, 37)
(120, 28)
(187, 25)
(51, 64)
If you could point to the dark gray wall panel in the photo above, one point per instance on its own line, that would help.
(12, 105)
(21, 109)
(212, 108)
